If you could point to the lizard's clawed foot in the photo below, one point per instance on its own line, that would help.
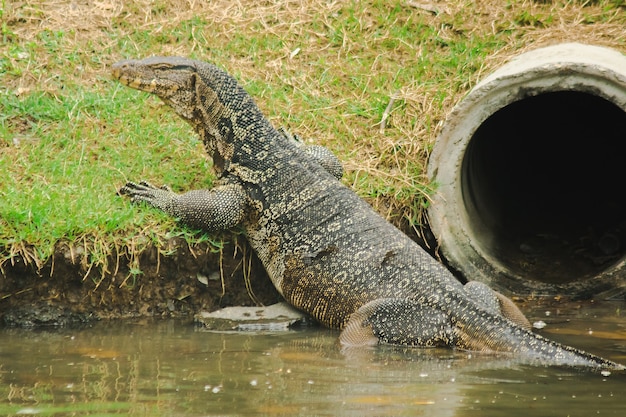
(131, 188)
(146, 192)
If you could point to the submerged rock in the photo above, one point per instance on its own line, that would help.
(277, 317)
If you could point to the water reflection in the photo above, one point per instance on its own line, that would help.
(170, 368)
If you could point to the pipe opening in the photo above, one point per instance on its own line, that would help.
(543, 183)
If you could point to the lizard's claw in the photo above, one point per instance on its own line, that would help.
(148, 185)
(143, 191)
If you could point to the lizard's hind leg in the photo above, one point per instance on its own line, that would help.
(399, 322)
(496, 303)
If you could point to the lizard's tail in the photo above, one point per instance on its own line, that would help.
(498, 334)
(408, 322)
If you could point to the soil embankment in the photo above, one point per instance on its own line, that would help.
(67, 290)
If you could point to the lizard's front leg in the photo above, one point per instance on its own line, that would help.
(324, 156)
(217, 209)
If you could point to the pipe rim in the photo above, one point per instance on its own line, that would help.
(557, 71)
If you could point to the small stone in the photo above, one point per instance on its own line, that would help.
(202, 279)
(277, 317)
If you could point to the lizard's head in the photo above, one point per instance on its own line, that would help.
(211, 100)
(173, 79)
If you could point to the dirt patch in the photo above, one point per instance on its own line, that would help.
(189, 279)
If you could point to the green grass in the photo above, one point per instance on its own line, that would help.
(60, 178)
(70, 136)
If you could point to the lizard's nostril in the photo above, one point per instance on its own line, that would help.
(120, 66)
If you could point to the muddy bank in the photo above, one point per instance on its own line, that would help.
(177, 280)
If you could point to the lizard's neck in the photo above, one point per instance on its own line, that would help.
(232, 127)
(253, 145)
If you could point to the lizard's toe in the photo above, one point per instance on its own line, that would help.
(133, 189)
(127, 189)
(146, 184)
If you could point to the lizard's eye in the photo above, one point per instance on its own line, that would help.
(162, 66)
(173, 67)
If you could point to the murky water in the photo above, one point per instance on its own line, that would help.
(170, 368)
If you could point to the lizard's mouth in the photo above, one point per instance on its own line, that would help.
(134, 82)
(117, 74)
(120, 72)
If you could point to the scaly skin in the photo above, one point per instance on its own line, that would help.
(326, 250)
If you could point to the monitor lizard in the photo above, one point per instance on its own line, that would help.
(325, 249)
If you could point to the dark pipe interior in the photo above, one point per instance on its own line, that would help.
(544, 183)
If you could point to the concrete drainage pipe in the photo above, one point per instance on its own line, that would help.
(531, 174)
